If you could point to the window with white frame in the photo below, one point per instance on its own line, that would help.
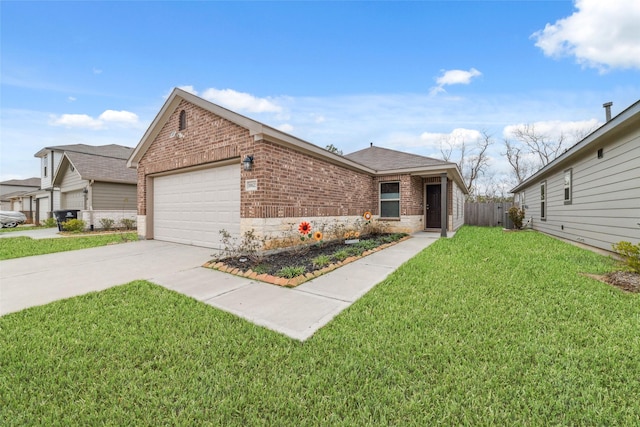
(390, 199)
(543, 200)
(568, 186)
(44, 166)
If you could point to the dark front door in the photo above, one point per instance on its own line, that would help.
(433, 206)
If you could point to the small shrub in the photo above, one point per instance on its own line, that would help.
(516, 215)
(630, 253)
(341, 255)
(366, 245)
(321, 261)
(128, 224)
(107, 223)
(290, 272)
(247, 246)
(260, 268)
(49, 222)
(74, 225)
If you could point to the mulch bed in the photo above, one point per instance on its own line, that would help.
(266, 268)
(625, 280)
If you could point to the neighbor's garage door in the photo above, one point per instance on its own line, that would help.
(192, 207)
(73, 200)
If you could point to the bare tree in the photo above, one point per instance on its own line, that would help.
(332, 148)
(473, 159)
(520, 164)
(539, 144)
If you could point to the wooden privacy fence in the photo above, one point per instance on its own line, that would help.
(492, 214)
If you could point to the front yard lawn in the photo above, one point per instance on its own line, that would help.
(17, 247)
(487, 328)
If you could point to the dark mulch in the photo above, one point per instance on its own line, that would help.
(303, 256)
(625, 280)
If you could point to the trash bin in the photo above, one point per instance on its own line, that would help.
(65, 215)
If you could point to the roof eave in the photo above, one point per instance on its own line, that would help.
(594, 137)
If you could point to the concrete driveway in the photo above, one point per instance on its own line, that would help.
(297, 313)
(37, 280)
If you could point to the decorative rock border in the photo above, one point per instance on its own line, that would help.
(292, 283)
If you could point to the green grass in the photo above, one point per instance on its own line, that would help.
(17, 247)
(487, 328)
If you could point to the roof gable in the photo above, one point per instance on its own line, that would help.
(97, 168)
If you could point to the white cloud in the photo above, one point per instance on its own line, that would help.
(454, 77)
(286, 127)
(241, 101)
(600, 34)
(456, 136)
(124, 118)
(71, 99)
(188, 88)
(97, 71)
(571, 131)
(76, 121)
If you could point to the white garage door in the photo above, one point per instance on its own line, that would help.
(193, 207)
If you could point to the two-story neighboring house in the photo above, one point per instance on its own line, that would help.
(85, 177)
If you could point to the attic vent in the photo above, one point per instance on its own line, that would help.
(71, 168)
(183, 120)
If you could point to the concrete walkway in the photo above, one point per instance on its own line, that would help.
(38, 233)
(297, 312)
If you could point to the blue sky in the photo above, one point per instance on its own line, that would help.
(403, 75)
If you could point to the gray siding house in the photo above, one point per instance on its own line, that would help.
(590, 193)
(99, 184)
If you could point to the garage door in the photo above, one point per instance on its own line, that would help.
(193, 207)
(73, 200)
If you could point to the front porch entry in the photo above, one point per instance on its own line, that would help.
(433, 211)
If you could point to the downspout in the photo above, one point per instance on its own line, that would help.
(90, 203)
(443, 205)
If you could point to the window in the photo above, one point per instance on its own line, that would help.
(44, 165)
(568, 184)
(390, 200)
(543, 200)
(183, 120)
(600, 153)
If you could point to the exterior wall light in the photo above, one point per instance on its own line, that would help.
(247, 163)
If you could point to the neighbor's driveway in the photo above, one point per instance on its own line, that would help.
(36, 280)
(37, 233)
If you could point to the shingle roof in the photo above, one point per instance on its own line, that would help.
(111, 150)
(29, 182)
(6, 197)
(102, 168)
(382, 159)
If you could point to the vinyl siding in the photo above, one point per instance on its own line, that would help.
(107, 195)
(72, 181)
(605, 205)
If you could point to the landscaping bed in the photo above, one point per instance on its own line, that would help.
(297, 265)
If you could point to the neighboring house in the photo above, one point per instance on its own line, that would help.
(18, 195)
(591, 192)
(99, 185)
(193, 181)
(100, 163)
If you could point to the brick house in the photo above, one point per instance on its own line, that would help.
(202, 168)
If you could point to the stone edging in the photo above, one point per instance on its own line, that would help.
(292, 283)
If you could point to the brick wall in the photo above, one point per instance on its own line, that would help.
(294, 184)
(208, 138)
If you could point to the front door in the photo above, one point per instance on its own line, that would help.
(433, 211)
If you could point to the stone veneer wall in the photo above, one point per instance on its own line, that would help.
(93, 217)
